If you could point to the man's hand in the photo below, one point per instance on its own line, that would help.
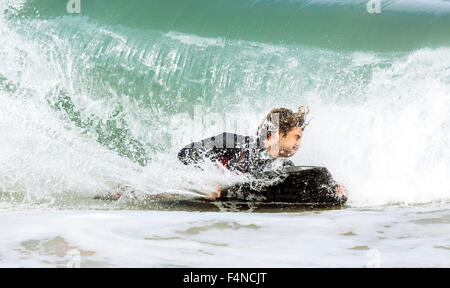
(341, 190)
(116, 196)
(213, 196)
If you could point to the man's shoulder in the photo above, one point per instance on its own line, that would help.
(230, 140)
(226, 140)
(240, 141)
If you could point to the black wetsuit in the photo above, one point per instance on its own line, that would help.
(246, 154)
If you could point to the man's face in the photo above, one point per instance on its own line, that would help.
(290, 142)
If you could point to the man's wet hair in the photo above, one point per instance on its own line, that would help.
(283, 120)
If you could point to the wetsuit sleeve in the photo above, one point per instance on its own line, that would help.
(190, 155)
(212, 148)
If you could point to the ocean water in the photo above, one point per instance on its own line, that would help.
(100, 101)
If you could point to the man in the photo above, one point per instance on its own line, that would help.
(278, 137)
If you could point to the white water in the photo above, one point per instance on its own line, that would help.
(386, 237)
(393, 148)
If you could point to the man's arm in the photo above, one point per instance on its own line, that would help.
(190, 155)
(221, 147)
(212, 148)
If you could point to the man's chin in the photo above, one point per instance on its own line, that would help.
(286, 154)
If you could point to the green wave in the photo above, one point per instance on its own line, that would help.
(400, 25)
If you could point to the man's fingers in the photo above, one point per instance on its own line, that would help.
(218, 192)
(214, 195)
(341, 190)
